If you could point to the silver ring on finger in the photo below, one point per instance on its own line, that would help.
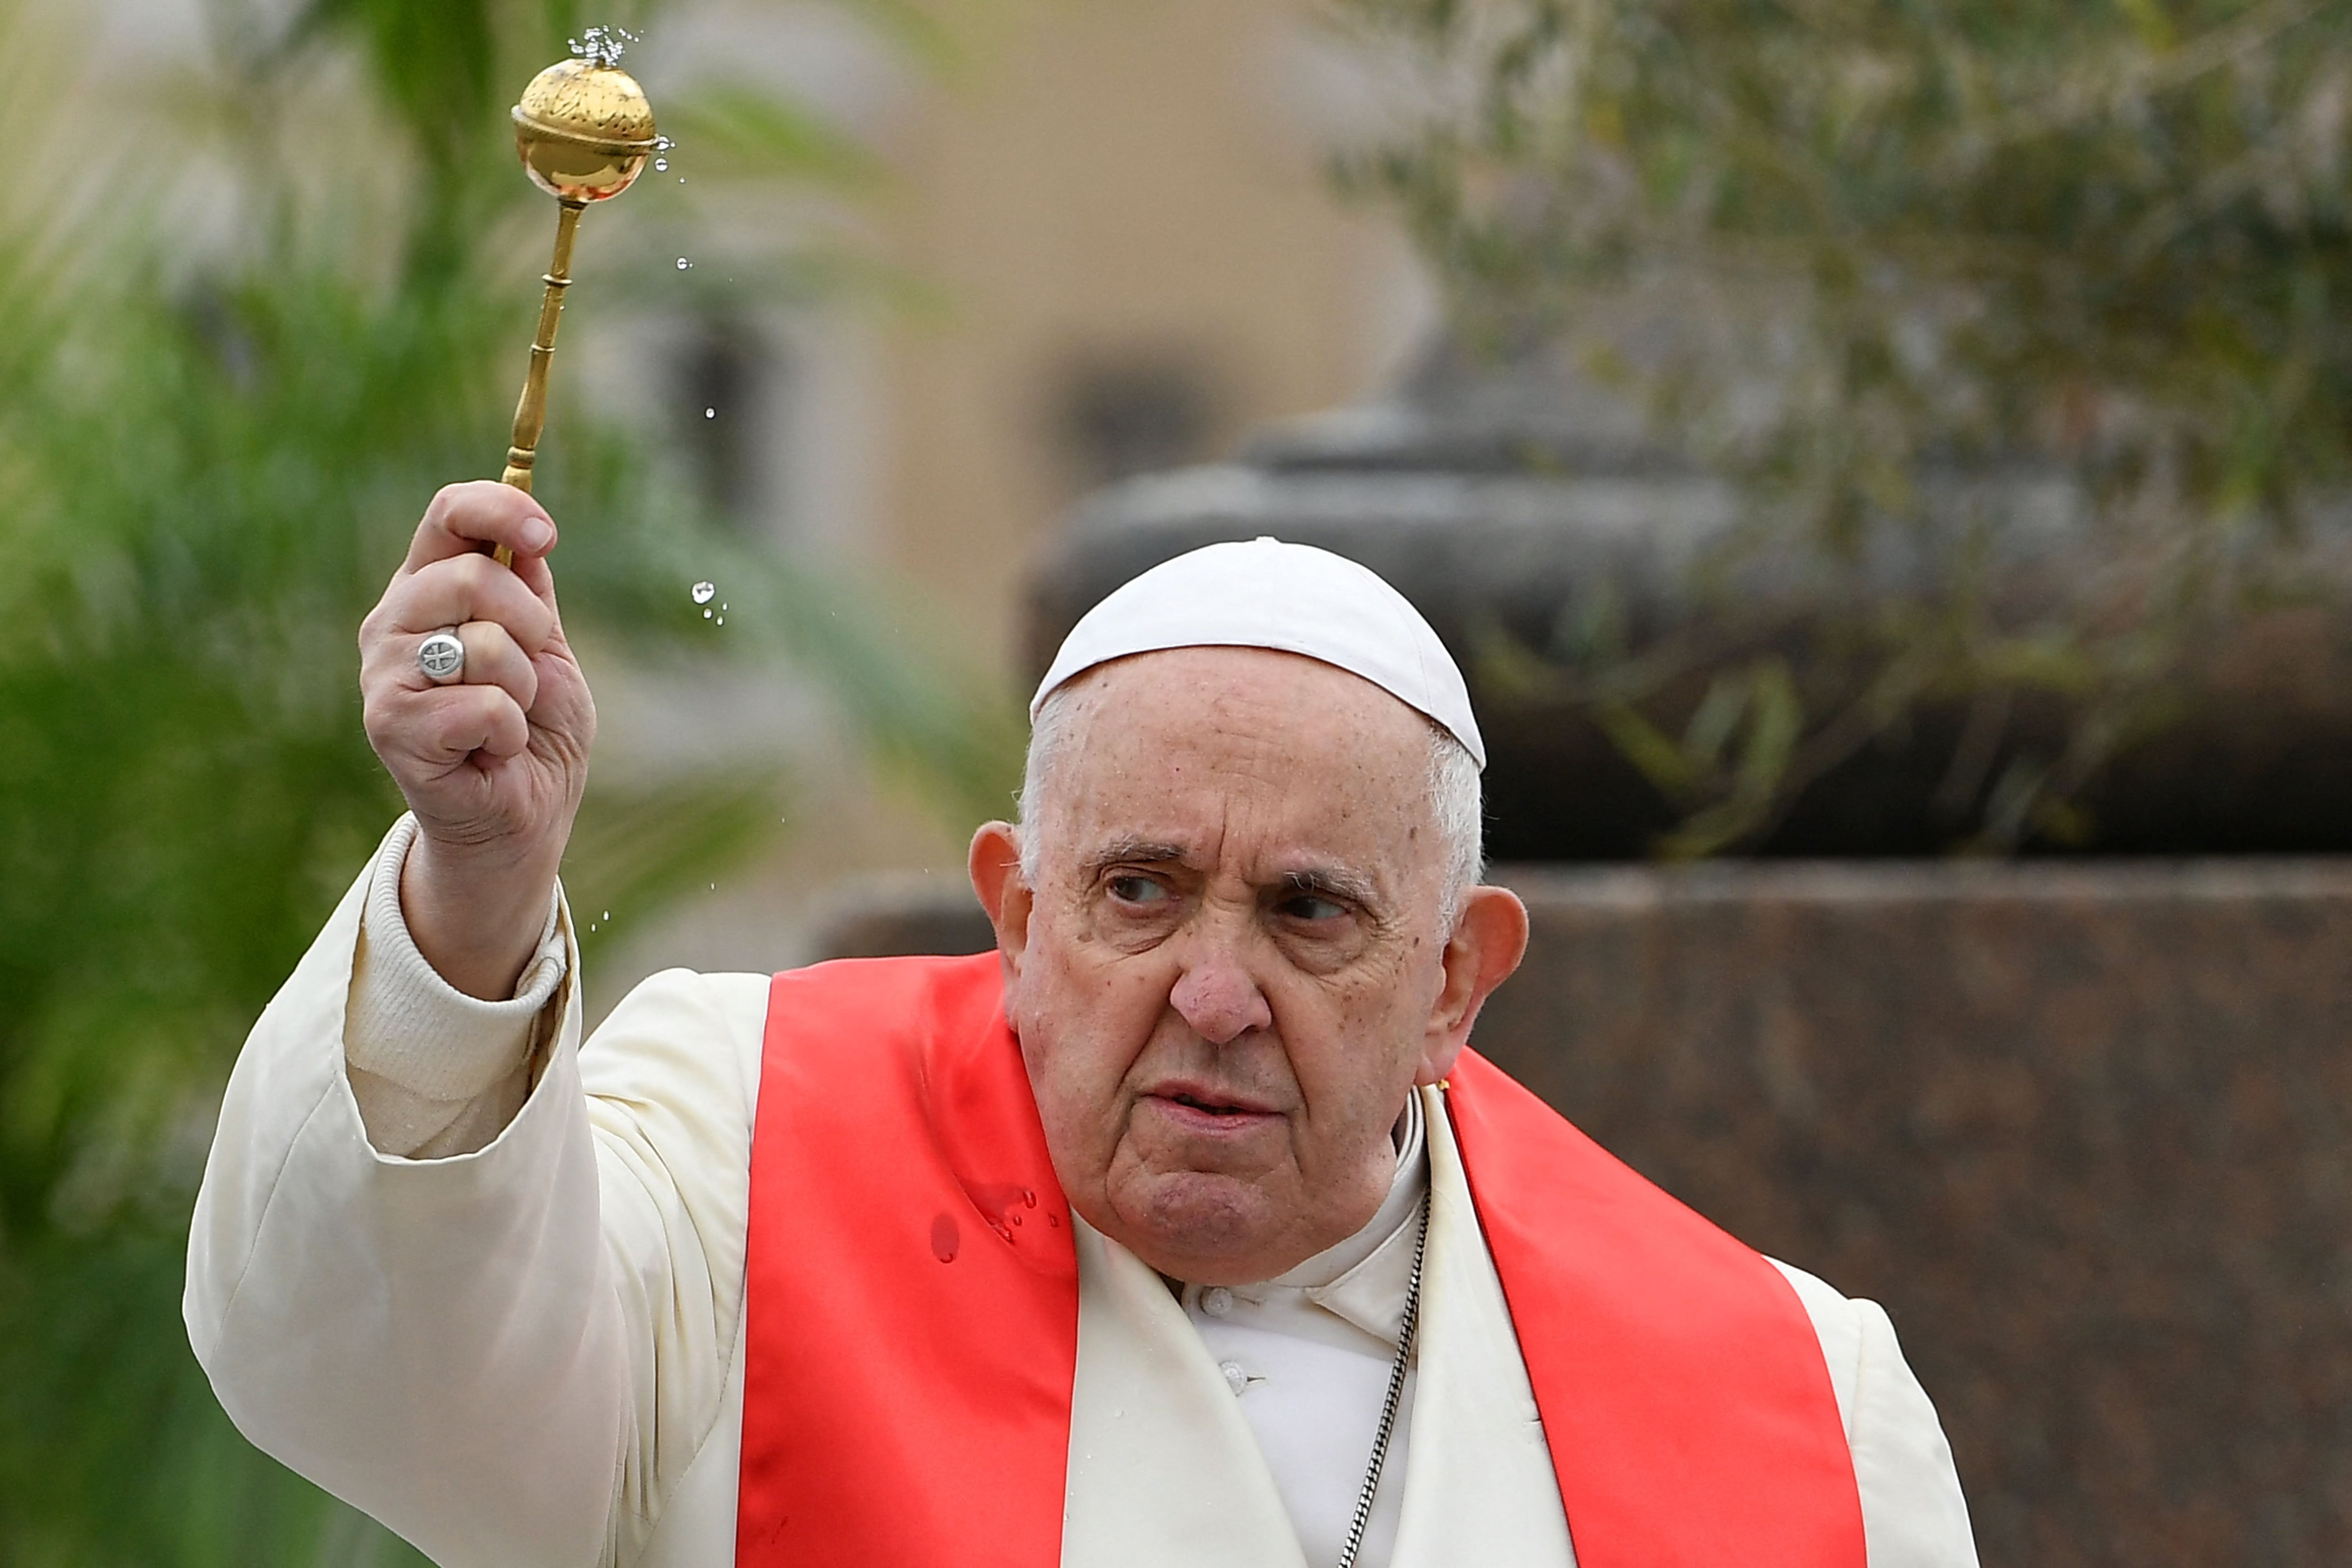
(442, 657)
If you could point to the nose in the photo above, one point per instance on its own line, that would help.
(1217, 996)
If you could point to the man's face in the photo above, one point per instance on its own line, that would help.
(1232, 969)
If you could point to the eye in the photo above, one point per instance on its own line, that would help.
(1129, 888)
(1311, 908)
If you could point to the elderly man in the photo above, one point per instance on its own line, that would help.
(1180, 1230)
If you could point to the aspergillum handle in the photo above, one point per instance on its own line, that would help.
(531, 414)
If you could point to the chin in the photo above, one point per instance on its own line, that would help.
(1183, 1221)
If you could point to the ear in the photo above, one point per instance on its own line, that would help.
(995, 864)
(1490, 939)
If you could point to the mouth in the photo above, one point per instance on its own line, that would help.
(1214, 1107)
(1208, 1110)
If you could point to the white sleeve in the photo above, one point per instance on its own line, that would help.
(508, 1355)
(436, 1071)
(1912, 1514)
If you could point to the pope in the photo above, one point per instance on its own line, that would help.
(1183, 1228)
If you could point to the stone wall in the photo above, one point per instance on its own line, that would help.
(2085, 1131)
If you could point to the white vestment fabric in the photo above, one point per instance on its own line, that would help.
(484, 1282)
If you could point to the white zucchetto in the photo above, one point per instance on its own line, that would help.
(1291, 598)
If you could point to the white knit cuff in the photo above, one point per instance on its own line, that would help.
(410, 1027)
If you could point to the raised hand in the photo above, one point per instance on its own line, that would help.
(494, 762)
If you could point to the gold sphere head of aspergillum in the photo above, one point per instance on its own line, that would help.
(584, 130)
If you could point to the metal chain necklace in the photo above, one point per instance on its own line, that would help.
(1405, 1335)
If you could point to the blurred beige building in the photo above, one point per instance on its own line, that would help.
(1126, 203)
(1118, 215)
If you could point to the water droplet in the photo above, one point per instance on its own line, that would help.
(722, 620)
(710, 414)
(608, 914)
(683, 264)
(1013, 1217)
(705, 592)
(706, 615)
(664, 144)
(603, 46)
(1052, 1220)
(662, 165)
(946, 1240)
(1028, 1195)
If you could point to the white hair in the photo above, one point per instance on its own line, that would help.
(1454, 798)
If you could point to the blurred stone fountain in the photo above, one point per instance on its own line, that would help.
(1516, 503)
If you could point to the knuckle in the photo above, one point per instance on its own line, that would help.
(381, 619)
(452, 725)
(454, 582)
(520, 613)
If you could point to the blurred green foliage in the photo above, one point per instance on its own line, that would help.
(1891, 239)
(212, 453)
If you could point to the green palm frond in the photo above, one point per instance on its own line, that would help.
(209, 466)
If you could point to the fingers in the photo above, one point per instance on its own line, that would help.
(495, 663)
(462, 589)
(465, 517)
(495, 755)
(495, 658)
(453, 722)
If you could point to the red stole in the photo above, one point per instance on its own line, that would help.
(911, 1310)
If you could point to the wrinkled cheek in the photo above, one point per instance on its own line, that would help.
(1378, 1045)
(1077, 1109)
(1083, 1026)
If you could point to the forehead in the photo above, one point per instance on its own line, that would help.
(1220, 750)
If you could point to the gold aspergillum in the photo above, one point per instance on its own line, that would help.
(583, 131)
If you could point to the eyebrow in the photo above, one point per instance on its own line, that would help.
(1335, 881)
(1133, 851)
